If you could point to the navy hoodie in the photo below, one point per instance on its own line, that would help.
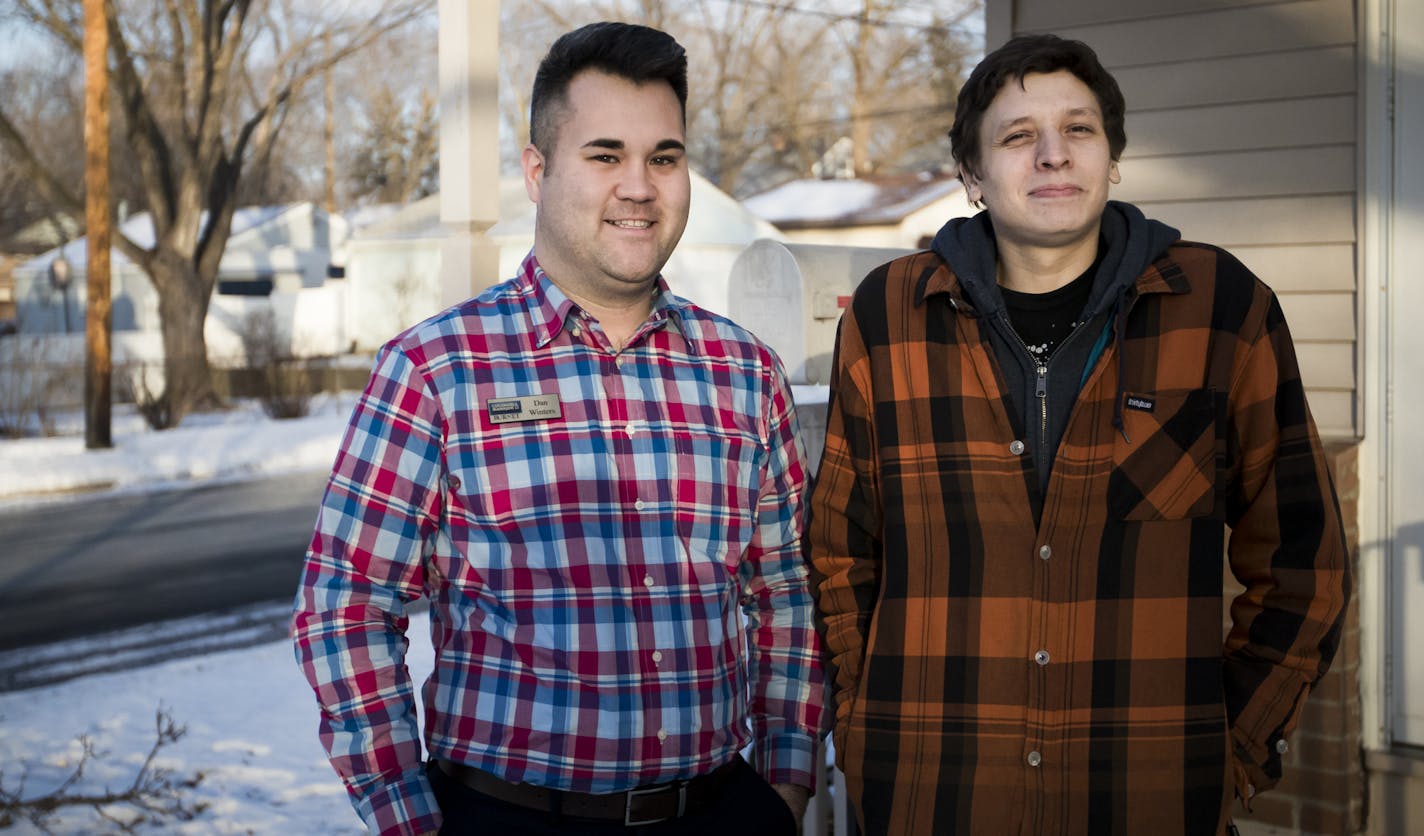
(1044, 395)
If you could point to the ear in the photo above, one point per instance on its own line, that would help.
(533, 163)
(1114, 176)
(972, 191)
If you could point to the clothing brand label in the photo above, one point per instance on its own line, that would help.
(1141, 403)
(526, 408)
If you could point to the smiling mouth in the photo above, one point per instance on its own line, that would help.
(630, 224)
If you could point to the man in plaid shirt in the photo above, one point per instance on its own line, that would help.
(598, 487)
(1039, 432)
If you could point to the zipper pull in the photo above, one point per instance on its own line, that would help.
(1041, 385)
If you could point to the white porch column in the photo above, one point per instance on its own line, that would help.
(469, 146)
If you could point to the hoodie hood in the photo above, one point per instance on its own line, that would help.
(1043, 394)
(1133, 242)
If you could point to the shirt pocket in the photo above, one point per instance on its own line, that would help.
(1165, 457)
(715, 495)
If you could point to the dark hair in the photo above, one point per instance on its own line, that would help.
(1021, 56)
(637, 53)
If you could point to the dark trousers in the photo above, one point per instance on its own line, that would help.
(748, 807)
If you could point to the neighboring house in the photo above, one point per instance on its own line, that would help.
(33, 239)
(393, 265)
(392, 273)
(277, 258)
(1288, 131)
(896, 210)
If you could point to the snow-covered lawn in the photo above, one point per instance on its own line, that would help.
(238, 443)
(251, 736)
(250, 718)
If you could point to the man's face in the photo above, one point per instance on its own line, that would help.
(613, 192)
(1044, 167)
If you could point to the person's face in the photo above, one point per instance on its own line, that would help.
(1044, 164)
(612, 194)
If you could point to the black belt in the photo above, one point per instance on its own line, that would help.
(643, 805)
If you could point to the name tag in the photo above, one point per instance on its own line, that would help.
(526, 408)
(1141, 403)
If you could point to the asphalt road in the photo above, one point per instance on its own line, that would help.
(87, 567)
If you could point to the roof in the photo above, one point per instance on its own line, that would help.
(416, 220)
(139, 230)
(865, 201)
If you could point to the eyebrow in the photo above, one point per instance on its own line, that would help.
(1076, 112)
(619, 145)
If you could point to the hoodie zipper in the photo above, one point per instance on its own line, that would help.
(1040, 386)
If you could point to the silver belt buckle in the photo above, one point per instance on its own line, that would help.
(628, 804)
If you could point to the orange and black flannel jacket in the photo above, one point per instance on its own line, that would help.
(997, 674)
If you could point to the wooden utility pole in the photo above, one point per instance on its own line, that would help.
(98, 318)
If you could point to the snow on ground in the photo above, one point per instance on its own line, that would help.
(251, 734)
(239, 443)
(251, 719)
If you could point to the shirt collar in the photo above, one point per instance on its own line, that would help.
(550, 310)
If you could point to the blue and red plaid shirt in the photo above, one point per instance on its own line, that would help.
(610, 541)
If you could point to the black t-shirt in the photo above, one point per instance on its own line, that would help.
(1043, 320)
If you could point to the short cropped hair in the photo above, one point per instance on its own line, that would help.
(637, 53)
(1021, 56)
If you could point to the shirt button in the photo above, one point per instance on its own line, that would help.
(453, 481)
(1041, 657)
(662, 735)
(1016, 447)
(657, 655)
(648, 581)
(1282, 746)
(631, 430)
(1034, 759)
(577, 332)
(638, 504)
(1045, 551)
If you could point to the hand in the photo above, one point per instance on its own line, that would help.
(796, 797)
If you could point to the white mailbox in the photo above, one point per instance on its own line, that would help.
(792, 295)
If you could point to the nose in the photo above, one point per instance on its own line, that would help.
(636, 185)
(1052, 151)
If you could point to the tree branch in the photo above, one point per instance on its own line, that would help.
(154, 792)
(48, 185)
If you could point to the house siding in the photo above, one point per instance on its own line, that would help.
(1242, 132)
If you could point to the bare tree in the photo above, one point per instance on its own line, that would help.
(775, 84)
(203, 89)
(46, 102)
(397, 156)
